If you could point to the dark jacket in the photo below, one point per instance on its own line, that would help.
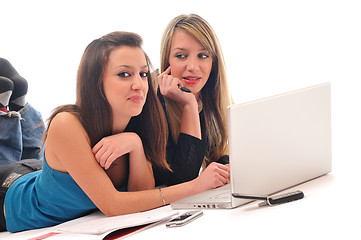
(184, 157)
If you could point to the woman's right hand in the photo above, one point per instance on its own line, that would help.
(215, 175)
(169, 87)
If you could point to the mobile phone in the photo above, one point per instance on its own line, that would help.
(184, 218)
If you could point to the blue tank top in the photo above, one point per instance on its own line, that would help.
(44, 198)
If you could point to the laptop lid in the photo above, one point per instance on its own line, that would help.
(280, 141)
(274, 143)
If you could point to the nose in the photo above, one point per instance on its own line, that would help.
(139, 83)
(192, 63)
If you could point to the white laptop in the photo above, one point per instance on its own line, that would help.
(274, 143)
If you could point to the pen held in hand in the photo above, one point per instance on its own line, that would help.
(184, 89)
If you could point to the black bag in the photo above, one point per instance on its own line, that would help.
(9, 173)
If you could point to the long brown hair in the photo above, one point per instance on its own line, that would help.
(215, 94)
(94, 111)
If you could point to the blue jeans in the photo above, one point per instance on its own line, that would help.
(20, 135)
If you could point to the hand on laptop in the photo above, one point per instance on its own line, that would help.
(215, 175)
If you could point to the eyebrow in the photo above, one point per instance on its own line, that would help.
(128, 66)
(185, 49)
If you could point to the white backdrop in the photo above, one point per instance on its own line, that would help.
(269, 46)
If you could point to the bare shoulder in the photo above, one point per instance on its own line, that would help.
(65, 122)
(66, 135)
(65, 118)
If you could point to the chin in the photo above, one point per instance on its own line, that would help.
(195, 91)
(136, 113)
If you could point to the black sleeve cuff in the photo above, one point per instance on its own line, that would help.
(223, 160)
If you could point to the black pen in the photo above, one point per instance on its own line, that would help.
(184, 89)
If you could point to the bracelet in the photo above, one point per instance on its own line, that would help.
(161, 194)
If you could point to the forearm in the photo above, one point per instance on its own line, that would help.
(215, 175)
(130, 202)
(140, 172)
(179, 191)
(190, 123)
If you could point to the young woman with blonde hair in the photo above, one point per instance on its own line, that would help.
(191, 58)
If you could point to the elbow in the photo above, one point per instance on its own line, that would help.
(111, 212)
(111, 209)
(117, 206)
(107, 211)
(121, 210)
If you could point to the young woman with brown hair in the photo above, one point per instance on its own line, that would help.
(100, 151)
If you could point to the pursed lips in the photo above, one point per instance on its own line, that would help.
(136, 99)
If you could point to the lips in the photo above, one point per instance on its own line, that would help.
(136, 99)
(191, 79)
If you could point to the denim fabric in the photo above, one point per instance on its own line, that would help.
(20, 135)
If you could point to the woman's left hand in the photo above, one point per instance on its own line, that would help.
(108, 149)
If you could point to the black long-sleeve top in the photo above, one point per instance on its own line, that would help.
(184, 157)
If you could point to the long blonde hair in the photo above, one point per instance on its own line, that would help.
(215, 94)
